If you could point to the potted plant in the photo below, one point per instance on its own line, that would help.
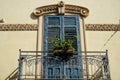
(62, 48)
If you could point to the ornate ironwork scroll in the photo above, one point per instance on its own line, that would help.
(102, 27)
(18, 27)
(61, 8)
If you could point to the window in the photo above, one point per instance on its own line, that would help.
(65, 27)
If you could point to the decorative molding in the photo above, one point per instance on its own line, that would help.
(76, 10)
(18, 27)
(61, 8)
(102, 27)
(34, 27)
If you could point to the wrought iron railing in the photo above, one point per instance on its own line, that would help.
(98, 65)
(97, 62)
(13, 75)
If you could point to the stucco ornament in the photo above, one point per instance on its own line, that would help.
(61, 8)
(102, 27)
(34, 27)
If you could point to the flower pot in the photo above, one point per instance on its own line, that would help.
(58, 52)
(70, 52)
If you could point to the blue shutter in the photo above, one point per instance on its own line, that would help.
(64, 27)
(71, 30)
(52, 32)
(52, 29)
(69, 20)
(70, 34)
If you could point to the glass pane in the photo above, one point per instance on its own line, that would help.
(52, 33)
(69, 21)
(70, 34)
(54, 21)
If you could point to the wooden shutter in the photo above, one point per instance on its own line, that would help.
(71, 30)
(64, 27)
(52, 29)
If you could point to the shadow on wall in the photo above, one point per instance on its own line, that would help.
(32, 16)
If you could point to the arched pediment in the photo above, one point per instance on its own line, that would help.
(61, 8)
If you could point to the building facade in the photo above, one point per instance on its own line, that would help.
(48, 21)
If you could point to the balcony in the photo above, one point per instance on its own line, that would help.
(95, 67)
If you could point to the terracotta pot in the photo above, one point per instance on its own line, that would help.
(58, 52)
(70, 52)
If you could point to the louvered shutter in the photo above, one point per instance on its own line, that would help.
(71, 32)
(52, 29)
(64, 27)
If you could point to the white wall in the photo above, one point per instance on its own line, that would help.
(19, 11)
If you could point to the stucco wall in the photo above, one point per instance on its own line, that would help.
(17, 11)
